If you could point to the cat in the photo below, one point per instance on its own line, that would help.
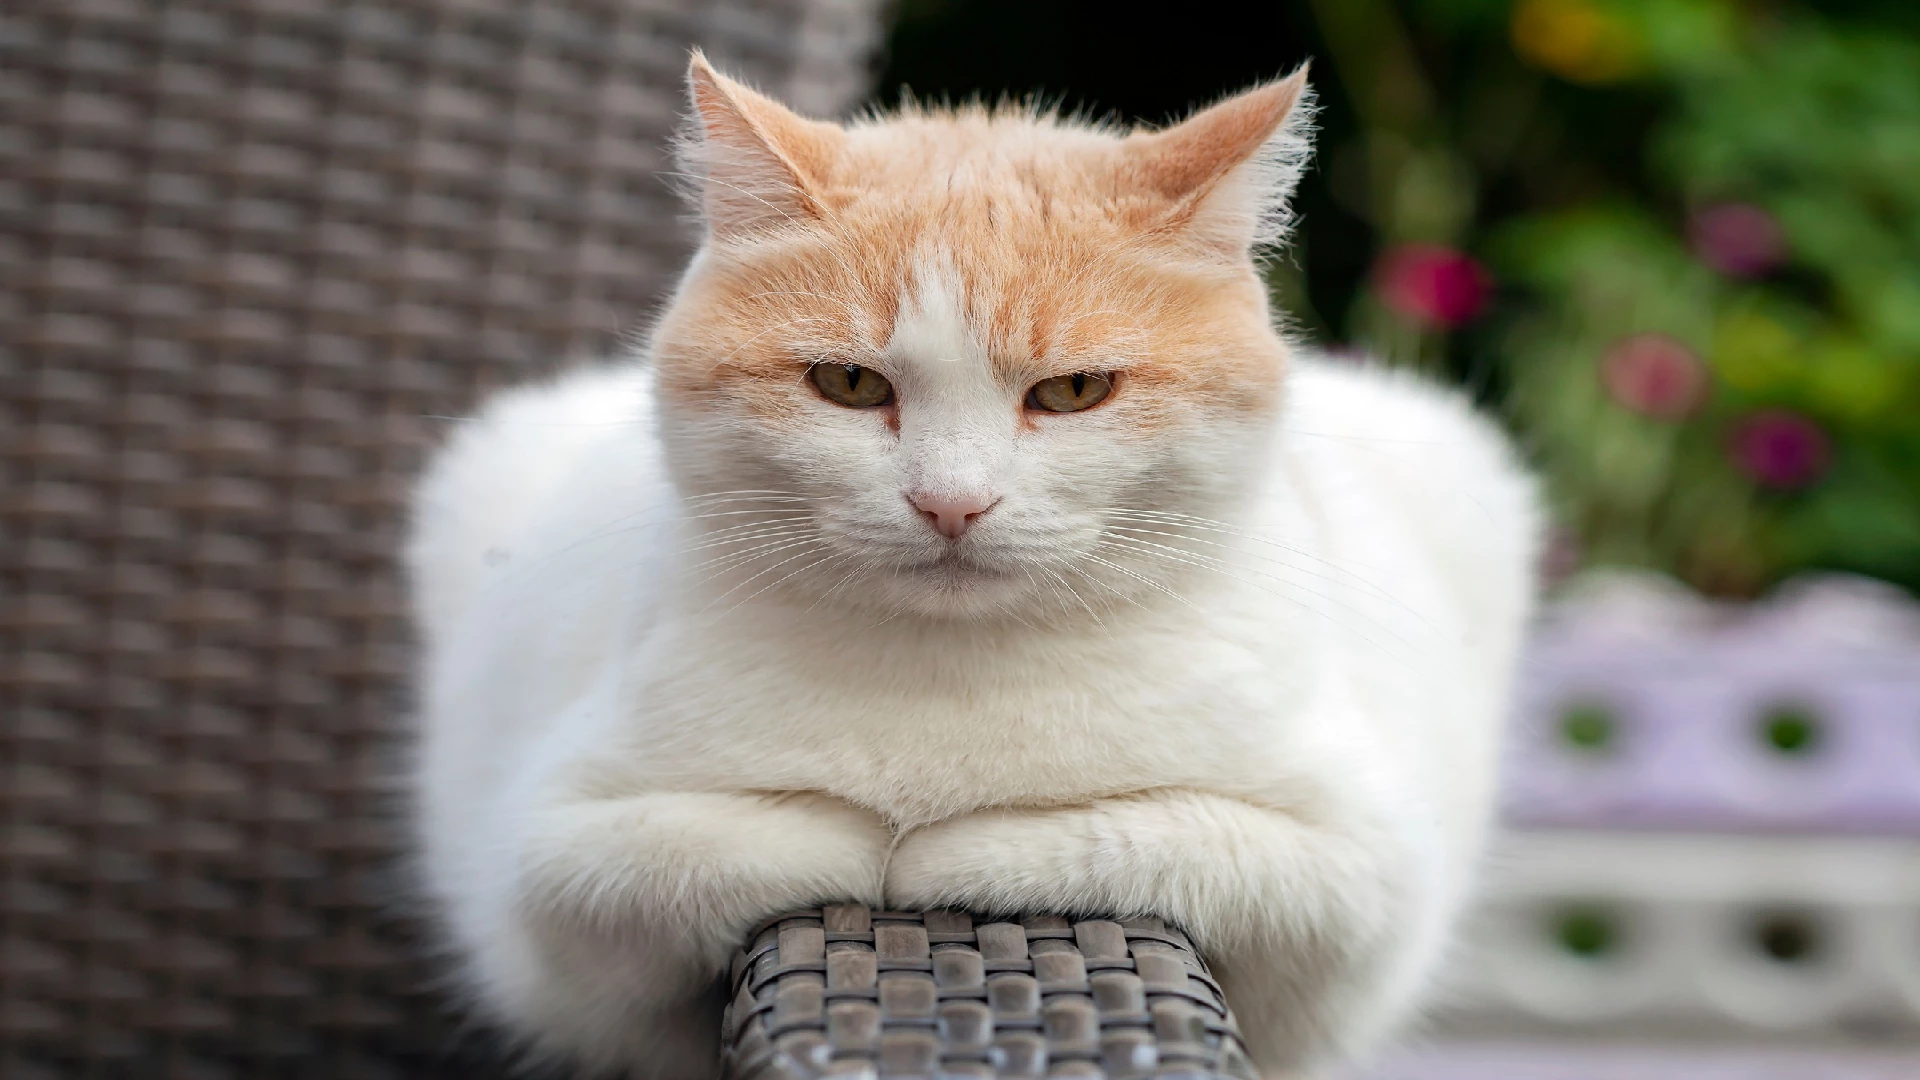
(964, 535)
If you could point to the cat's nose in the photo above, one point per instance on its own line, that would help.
(953, 515)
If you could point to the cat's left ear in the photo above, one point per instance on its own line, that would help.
(1223, 176)
(758, 164)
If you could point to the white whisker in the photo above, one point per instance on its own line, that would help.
(1378, 593)
(1145, 549)
(1158, 587)
(806, 544)
(716, 565)
(802, 568)
(762, 532)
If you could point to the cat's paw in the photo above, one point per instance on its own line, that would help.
(700, 866)
(1002, 861)
(832, 851)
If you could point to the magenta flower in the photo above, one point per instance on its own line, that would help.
(1779, 448)
(1737, 239)
(1433, 284)
(1655, 375)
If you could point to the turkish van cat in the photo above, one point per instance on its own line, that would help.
(965, 535)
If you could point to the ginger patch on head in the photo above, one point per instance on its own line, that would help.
(1115, 269)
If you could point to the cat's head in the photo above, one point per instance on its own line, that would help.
(926, 361)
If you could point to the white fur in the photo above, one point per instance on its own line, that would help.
(629, 754)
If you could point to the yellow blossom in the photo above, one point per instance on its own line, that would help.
(1575, 39)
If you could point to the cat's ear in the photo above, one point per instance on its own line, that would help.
(1224, 175)
(755, 163)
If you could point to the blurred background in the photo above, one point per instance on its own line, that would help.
(255, 254)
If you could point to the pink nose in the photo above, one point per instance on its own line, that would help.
(952, 515)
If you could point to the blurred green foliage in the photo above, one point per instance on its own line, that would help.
(1810, 129)
(1701, 220)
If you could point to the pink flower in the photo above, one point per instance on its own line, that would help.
(1434, 284)
(1780, 448)
(1655, 375)
(1737, 239)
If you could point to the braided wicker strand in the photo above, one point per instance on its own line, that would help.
(843, 991)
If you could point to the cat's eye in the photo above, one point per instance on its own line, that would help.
(851, 385)
(1069, 393)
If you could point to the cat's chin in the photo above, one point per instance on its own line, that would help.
(958, 589)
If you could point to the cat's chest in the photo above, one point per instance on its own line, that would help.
(921, 735)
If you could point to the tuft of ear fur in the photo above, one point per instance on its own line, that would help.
(1228, 170)
(757, 164)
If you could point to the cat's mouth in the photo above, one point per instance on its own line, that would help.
(954, 570)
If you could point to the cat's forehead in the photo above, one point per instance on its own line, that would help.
(936, 338)
(961, 306)
(989, 240)
(976, 155)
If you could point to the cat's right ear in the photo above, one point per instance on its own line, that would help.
(1225, 174)
(755, 163)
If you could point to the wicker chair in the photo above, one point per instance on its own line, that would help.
(844, 992)
(255, 254)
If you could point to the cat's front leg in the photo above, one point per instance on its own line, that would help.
(623, 913)
(1318, 930)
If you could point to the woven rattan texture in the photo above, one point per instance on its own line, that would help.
(845, 992)
(251, 252)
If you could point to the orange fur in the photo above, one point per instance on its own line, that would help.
(1075, 248)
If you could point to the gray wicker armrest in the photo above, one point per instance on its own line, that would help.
(847, 992)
